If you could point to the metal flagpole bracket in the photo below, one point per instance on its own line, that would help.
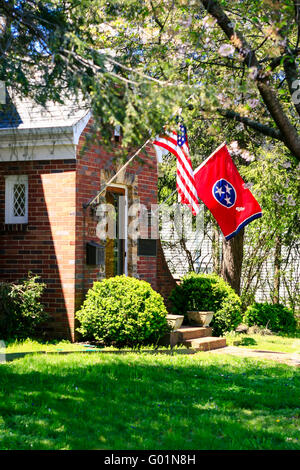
(85, 205)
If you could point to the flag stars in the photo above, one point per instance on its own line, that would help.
(228, 200)
(228, 189)
(219, 191)
(224, 193)
(181, 140)
(181, 136)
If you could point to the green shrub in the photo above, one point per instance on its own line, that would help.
(208, 292)
(276, 317)
(20, 309)
(123, 311)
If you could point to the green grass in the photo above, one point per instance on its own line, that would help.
(31, 345)
(254, 341)
(145, 401)
(264, 342)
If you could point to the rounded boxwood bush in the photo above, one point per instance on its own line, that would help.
(275, 317)
(208, 292)
(123, 311)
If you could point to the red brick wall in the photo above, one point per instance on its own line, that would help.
(89, 166)
(147, 189)
(53, 244)
(47, 246)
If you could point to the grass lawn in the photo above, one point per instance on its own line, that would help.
(139, 401)
(253, 341)
(265, 342)
(31, 345)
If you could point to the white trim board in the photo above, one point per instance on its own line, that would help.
(54, 143)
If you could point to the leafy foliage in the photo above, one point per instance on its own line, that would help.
(208, 292)
(276, 317)
(274, 181)
(273, 177)
(123, 311)
(136, 62)
(21, 312)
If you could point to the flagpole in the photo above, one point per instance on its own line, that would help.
(91, 201)
(172, 194)
(85, 205)
(210, 156)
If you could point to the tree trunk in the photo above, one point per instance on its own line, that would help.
(188, 254)
(232, 260)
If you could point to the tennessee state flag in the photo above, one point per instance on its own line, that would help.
(222, 189)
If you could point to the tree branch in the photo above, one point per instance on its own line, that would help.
(291, 75)
(274, 62)
(289, 134)
(257, 126)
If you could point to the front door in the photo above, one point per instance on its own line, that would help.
(115, 254)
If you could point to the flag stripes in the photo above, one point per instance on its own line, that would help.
(177, 144)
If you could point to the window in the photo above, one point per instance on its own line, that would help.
(16, 199)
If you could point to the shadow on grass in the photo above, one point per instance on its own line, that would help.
(148, 402)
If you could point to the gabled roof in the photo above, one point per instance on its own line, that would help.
(24, 113)
(31, 131)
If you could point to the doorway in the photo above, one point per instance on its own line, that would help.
(116, 245)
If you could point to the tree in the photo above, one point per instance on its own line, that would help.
(233, 67)
(136, 61)
(283, 34)
(240, 63)
(274, 178)
(51, 50)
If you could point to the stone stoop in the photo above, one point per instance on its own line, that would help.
(199, 338)
(205, 344)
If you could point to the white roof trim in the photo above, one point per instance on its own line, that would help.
(80, 126)
(43, 143)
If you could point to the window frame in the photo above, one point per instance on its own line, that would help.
(10, 182)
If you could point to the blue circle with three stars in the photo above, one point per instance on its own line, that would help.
(224, 193)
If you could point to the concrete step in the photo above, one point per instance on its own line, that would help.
(190, 332)
(205, 344)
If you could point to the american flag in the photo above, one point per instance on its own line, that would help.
(177, 144)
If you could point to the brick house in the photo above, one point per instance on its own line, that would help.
(48, 173)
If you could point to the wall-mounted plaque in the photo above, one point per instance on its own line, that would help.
(146, 247)
(95, 254)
